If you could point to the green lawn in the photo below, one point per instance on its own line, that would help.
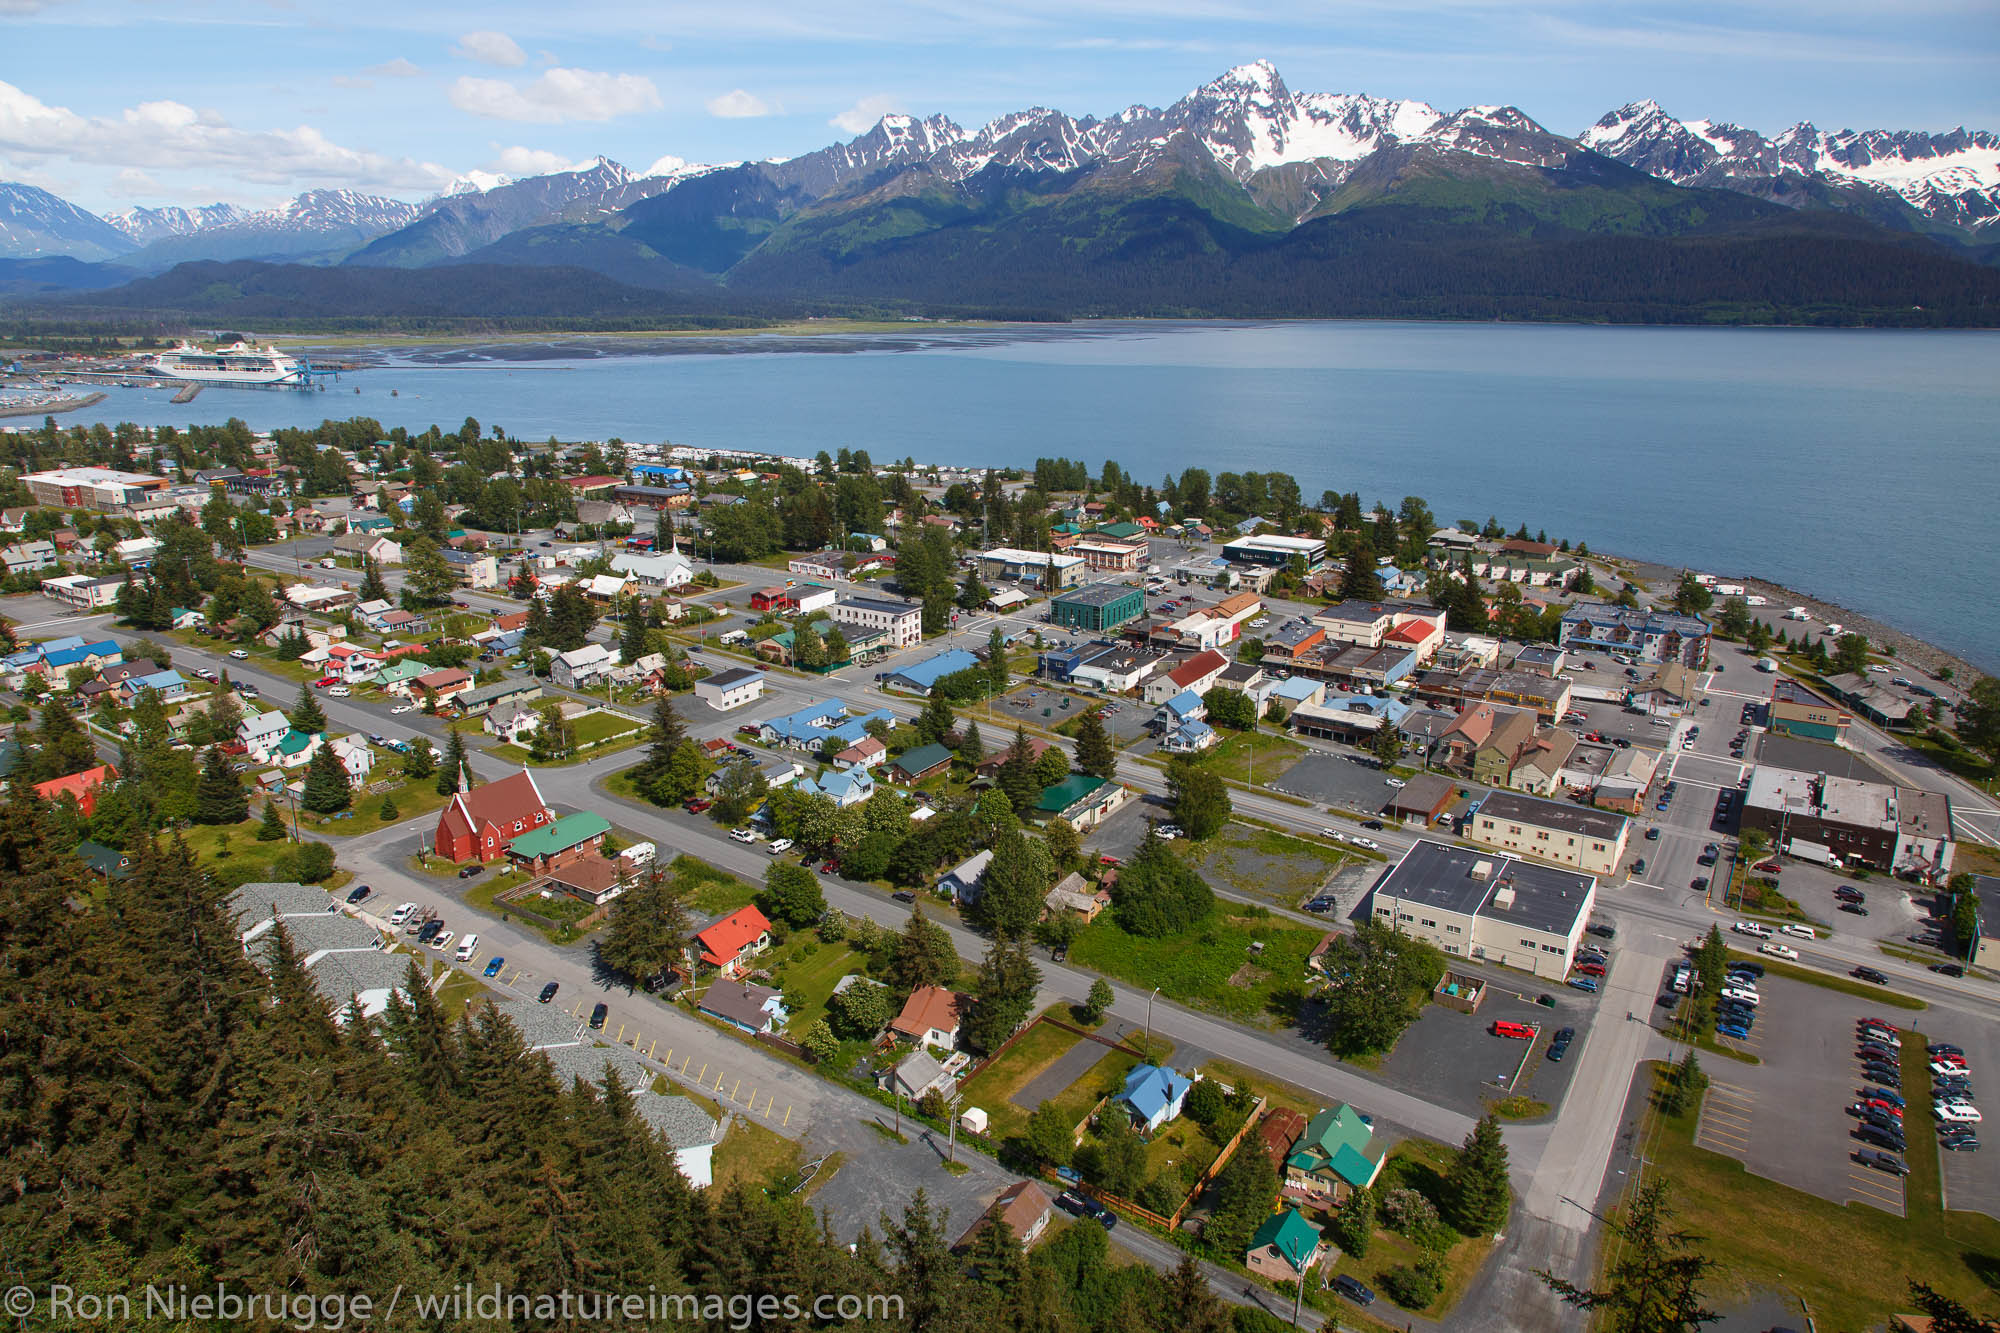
(1252, 756)
(233, 852)
(414, 796)
(1420, 1166)
(1848, 1262)
(1100, 1080)
(1211, 966)
(1000, 1079)
(812, 972)
(709, 892)
(1265, 863)
(752, 1155)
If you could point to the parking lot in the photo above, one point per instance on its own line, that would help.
(1613, 723)
(1971, 1179)
(1454, 1059)
(1786, 1118)
(1340, 781)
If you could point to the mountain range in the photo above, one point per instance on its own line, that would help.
(1240, 187)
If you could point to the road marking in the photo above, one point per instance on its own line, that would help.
(788, 1116)
(701, 1079)
(718, 1080)
(734, 1090)
(620, 1038)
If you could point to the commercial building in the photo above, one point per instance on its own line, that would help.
(900, 623)
(1797, 711)
(1419, 629)
(1646, 636)
(1275, 552)
(90, 487)
(1110, 556)
(919, 677)
(1099, 607)
(729, 689)
(1045, 569)
(1519, 689)
(84, 590)
(1901, 830)
(1559, 832)
(1488, 906)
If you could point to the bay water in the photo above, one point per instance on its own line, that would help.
(1858, 466)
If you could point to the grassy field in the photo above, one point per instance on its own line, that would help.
(1849, 1262)
(753, 1156)
(1211, 966)
(1246, 755)
(812, 976)
(1000, 1079)
(414, 796)
(709, 892)
(235, 855)
(1265, 863)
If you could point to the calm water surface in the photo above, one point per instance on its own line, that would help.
(1859, 466)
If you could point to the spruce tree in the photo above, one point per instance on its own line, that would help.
(326, 790)
(1653, 1285)
(307, 716)
(389, 810)
(421, 761)
(66, 747)
(372, 589)
(923, 955)
(632, 637)
(219, 797)
(1017, 773)
(449, 767)
(971, 746)
(1004, 995)
(1094, 753)
(272, 827)
(1476, 1192)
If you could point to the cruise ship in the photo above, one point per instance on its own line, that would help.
(238, 363)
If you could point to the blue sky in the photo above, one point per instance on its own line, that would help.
(120, 102)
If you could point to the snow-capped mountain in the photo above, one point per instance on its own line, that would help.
(316, 224)
(146, 225)
(35, 223)
(1950, 178)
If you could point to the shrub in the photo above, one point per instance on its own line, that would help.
(1413, 1286)
(1407, 1211)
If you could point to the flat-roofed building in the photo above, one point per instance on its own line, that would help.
(1901, 830)
(1097, 607)
(1559, 832)
(1045, 569)
(1275, 552)
(1797, 711)
(901, 623)
(1107, 555)
(1488, 906)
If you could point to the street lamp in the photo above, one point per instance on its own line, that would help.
(1149, 1018)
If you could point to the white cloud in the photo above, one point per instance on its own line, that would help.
(737, 105)
(398, 68)
(172, 136)
(491, 48)
(861, 117)
(517, 161)
(352, 81)
(135, 184)
(558, 95)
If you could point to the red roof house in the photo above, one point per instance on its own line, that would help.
(931, 1016)
(730, 943)
(79, 787)
(477, 825)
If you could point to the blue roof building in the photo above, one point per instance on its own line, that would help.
(1184, 707)
(1190, 737)
(815, 724)
(845, 787)
(655, 472)
(81, 654)
(920, 677)
(1154, 1095)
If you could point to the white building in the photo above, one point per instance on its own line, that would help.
(1488, 907)
(729, 689)
(582, 667)
(901, 623)
(1559, 832)
(669, 569)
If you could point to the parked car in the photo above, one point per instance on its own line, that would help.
(1351, 1288)
(238, 654)
(493, 966)
(1870, 974)
(472, 872)
(1588, 984)
(598, 1014)
(904, 896)
(742, 835)
(360, 895)
(549, 992)
(1882, 1161)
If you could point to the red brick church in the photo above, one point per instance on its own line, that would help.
(477, 825)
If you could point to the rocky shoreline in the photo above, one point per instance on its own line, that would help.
(67, 403)
(1925, 656)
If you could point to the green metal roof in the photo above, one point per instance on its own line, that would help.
(567, 832)
(1340, 1141)
(1068, 792)
(1290, 1234)
(1121, 530)
(922, 758)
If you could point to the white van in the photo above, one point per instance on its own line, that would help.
(1800, 932)
(466, 948)
(402, 914)
(780, 847)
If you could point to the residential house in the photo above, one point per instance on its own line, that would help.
(1196, 674)
(444, 683)
(812, 727)
(1335, 1156)
(864, 753)
(384, 551)
(1285, 1247)
(78, 787)
(931, 1016)
(590, 879)
(477, 825)
(104, 862)
(913, 766)
(356, 756)
(168, 684)
(752, 1009)
(1154, 1094)
(512, 722)
(1072, 893)
(844, 787)
(570, 838)
(730, 943)
(993, 763)
(1539, 764)
(1482, 742)
(962, 882)
(920, 1073)
(489, 698)
(29, 557)
(1024, 1206)
(262, 730)
(1190, 738)
(582, 667)
(293, 749)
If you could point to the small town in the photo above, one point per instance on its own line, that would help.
(1327, 906)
